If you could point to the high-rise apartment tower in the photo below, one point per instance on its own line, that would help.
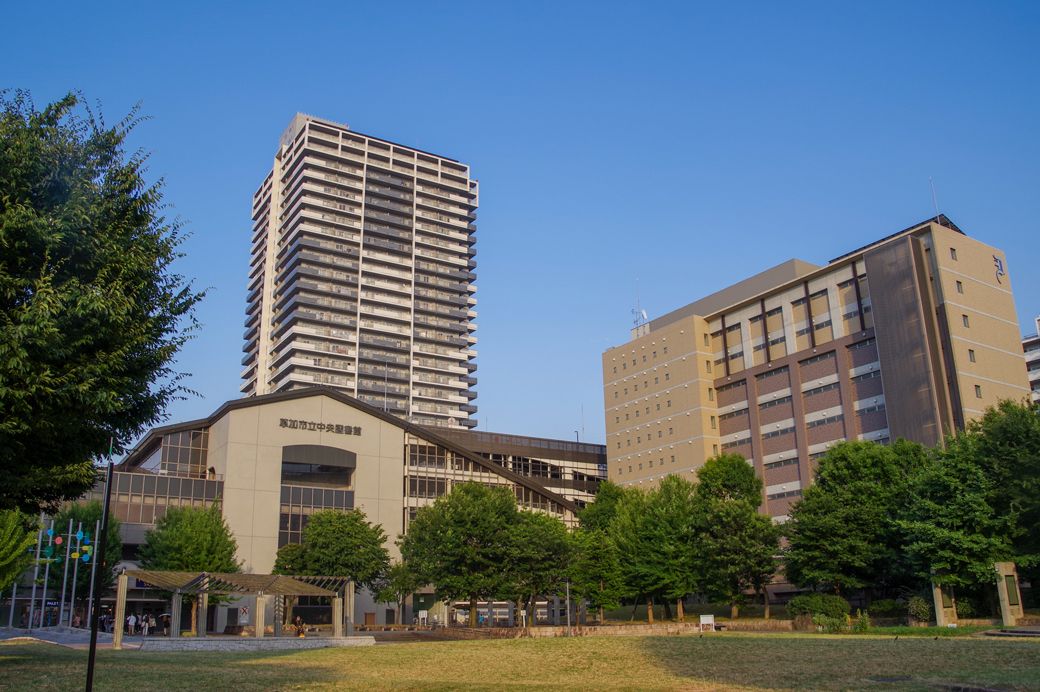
(908, 337)
(361, 274)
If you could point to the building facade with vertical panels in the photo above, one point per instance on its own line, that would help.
(908, 337)
(572, 470)
(361, 275)
(1031, 348)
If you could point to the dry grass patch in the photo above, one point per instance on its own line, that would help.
(729, 661)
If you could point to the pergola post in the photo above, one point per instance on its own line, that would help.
(260, 607)
(279, 614)
(200, 615)
(175, 614)
(350, 608)
(337, 616)
(120, 621)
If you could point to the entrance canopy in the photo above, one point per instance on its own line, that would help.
(224, 583)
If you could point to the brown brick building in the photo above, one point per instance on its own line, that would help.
(907, 337)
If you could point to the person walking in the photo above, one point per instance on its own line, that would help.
(144, 625)
(131, 624)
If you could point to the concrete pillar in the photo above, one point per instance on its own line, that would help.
(278, 615)
(175, 615)
(260, 611)
(337, 617)
(1007, 591)
(350, 608)
(945, 605)
(200, 614)
(120, 617)
(512, 614)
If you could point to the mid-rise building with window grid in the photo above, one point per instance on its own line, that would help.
(908, 337)
(361, 274)
(1031, 347)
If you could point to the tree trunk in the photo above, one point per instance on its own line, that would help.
(400, 612)
(601, 617)
(650, 611)
(765, 602)
(635, 606)
(681, 614)
(472, 612)
(667, 609)
(734, 611)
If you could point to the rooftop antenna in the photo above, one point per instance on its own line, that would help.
(639, 317)
(935, 201)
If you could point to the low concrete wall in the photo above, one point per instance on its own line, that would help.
(641, 630)
(251, 644)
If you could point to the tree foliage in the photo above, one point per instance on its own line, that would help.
(91, 313)
(17, 536)
(396, 585)
(345, 544)
(729, 477)
(190, 539)
(953, 533)
(843, 533)
(595, 570)
(539, 555)
(462, 543)
(290, 559)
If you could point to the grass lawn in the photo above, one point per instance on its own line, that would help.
(712, 662)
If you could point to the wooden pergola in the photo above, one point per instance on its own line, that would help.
(201, 585)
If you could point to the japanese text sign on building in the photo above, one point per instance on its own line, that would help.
(319, 427)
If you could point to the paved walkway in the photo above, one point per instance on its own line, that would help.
(71, 637)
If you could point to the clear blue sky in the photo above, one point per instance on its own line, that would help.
(616, 144)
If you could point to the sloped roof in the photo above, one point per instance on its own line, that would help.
(228, 583)
(154, 436)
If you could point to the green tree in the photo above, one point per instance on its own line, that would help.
(1006, 445)
(89, 513)
(539, 555)
(345, 544)
(291, 559)
(843, 532)
(729, 477)
(653, 532)
(738, 550)
(190, 539)
(953, 534)
(462, 542)
(91, 313)
(17, 539)
(600, 513)
(397, 585)
(595, 570)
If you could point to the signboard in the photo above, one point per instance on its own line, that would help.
(317, 426)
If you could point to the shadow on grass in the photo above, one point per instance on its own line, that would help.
(805, 661)
(52, 667)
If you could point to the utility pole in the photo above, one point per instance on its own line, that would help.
(99, 554)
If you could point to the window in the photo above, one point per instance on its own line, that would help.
(960, 287)
(965, 321)
(707, 365)
(713, 422)
(655, 354)
(711, 394)
(615, 395)
(707, 341)
(659, 407)
(667, 377)
(657, 380)
(714, 450)
(978, 391)
(659, 433)
(953, 253)
(971, 355)
(669, 431)
(666, 349)
(617, 419)
(673, 458)
(668, 403)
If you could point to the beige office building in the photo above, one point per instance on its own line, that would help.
(361, 274)
(907, 337)
(272, 460)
